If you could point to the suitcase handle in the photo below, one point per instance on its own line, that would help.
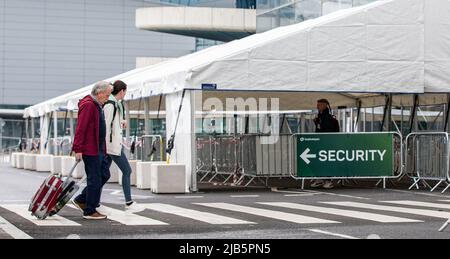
(73, 168)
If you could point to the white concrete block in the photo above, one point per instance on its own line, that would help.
(44, 163)
(168, 178)
(13, 159)
(29, 162)
(133, 177)
(56, 164)
(66, 165)
(20, 160)
(143, 174)
(114, 171)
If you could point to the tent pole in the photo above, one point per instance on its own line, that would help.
(402, 117)
(127, 118)
(71, 126)
(146, 117)
(358, 113)
(385, 113)
(373, 119)
(55, 131)
(447, 114)
(413, 113)
(364, 119)
(389, 114)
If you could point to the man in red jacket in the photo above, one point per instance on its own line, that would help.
(90, 146)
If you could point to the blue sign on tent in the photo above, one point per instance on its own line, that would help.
(209, 86)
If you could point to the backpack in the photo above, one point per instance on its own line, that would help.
(113, 103)
(335, 124)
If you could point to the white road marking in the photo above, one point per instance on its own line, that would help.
(421, 212)
(244, 196)
(332, 234)
(188, 197)
(421, 204)
(339, 212)
(128, 219)
(418, 193)
(269, 213)
(56, 220)
(12, 230)
(193, 214)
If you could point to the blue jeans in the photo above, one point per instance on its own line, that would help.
(124, 166)
(97, 172)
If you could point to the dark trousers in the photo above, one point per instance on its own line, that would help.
(97, 172)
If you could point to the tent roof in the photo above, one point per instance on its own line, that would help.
(388, 46)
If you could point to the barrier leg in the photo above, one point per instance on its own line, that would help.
(214, 176)
(426, 185)
(201, 179)
(437, 185)
(303, 184)
(446, 188)
(416, 183)
(249, 182)
(444, 226)
(228, 178)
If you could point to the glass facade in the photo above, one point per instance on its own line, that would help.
(275, 13)
(246, 4)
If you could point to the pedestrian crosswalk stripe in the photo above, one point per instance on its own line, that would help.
(339, 212)
(268, 213)
(56, 220)
(128, 219)
(421, 204)
(193, 214)
(12, 230)
(422, 212)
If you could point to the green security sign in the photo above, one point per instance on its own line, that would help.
(345, 155)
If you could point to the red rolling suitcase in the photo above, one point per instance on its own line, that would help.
(53, 195)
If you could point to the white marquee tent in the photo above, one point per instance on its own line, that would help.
(398, 47)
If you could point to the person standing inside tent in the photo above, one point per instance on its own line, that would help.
(325, 122)
(115, 123)
(89, 145)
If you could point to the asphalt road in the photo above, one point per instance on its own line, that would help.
(342, 213)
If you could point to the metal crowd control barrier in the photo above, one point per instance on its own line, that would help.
(152, 148)
(428, 159)
(395, 172)
(127, 144)
(217, 157)
(244, 157)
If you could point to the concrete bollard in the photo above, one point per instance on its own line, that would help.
(133, 177)
(56, 164)
(66, 165)
(13, 159)
(168, 178)
(29, 162)
(20, 160)
(44, 163)
(143, 174)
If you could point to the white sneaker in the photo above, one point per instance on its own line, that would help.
(317, 183)
(134, 208)
(328, 185)
(103, 210)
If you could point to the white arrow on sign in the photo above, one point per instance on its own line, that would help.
(305, 156)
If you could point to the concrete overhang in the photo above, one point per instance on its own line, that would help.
(222, 24)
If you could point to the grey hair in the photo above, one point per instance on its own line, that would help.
(100, 87)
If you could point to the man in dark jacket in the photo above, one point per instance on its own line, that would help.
(90, 146)
(325, 122)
